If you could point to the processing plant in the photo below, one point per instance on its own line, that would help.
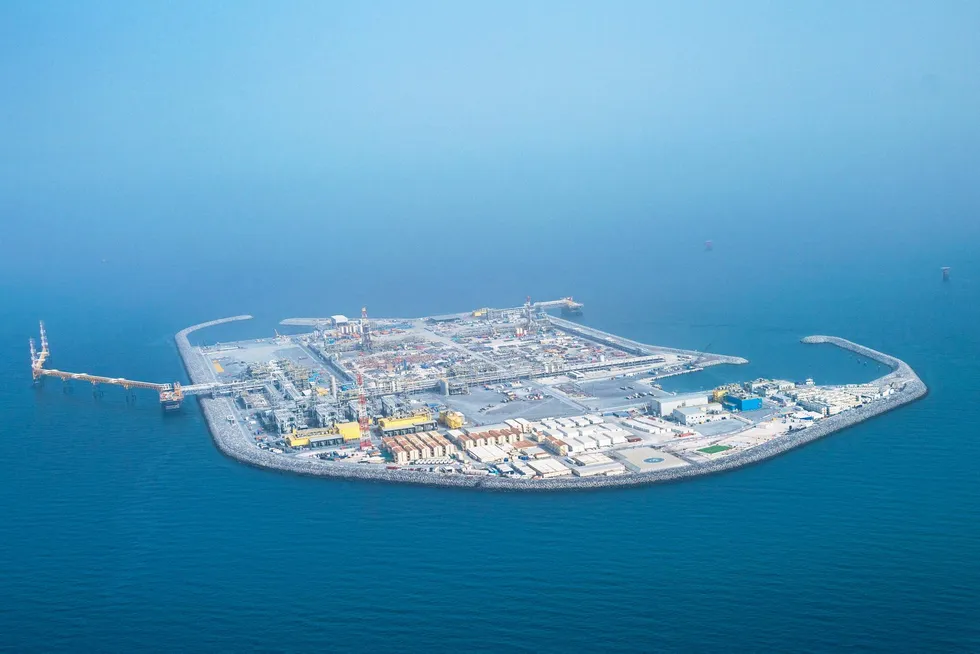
(513, 393)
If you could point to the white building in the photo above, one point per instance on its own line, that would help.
(525, 425)
(548, 468)
(488, 453)
(599, 469)
(618, 436)
(664, 406)
(601, 438)
(690, 415)
(646, 427)
(592, 458)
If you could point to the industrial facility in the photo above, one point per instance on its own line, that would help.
(503, 392)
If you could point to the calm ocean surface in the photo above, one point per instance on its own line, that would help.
(125, 530)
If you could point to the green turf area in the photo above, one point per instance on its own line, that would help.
(714, 449)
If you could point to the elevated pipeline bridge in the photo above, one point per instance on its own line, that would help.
(567, 305)
(171, 395)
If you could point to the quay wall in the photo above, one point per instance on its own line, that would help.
(235, 442)
(590, 333)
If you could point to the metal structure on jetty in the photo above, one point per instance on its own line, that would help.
(171, 394)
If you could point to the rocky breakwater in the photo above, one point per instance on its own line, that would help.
(234, 441)
(638, 348)
(902, 385)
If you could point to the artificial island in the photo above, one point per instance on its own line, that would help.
(513, 398)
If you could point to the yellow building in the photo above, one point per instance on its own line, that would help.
(415, 422)
(316, 437)
(350, 431)
(718, 395)
(452, 419)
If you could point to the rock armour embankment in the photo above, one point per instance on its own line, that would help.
(234, 442)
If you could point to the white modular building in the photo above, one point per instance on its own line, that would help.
(488, 453)
(599, 469)
(591, 458)
(525, 425)
(690, 415)
(600, 436)
(548, 468)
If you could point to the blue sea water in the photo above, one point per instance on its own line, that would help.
(165, 164)
(125, 529)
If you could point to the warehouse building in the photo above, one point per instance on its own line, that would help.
(648, 425)
(547, 468)
(532, 451)
(593, 458)
(420, 421)
(578, 444)
(488, 453)
(690, 415)
(739, 403)
(664, 406)
(600, 436)
(599, 470)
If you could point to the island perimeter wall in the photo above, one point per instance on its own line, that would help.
(235, 442)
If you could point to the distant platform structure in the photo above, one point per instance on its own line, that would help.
(568, 306)
(945, 273)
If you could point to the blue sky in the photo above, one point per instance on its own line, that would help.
(135, 91)
(127, 125)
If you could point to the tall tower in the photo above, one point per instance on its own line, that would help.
(365, 331)
(38, 359)
(362, 416)
(44, 340)
(34, 361)
(528, 319)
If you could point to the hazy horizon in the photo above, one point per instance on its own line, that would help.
(168, 163)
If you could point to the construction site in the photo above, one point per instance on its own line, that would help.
(516, 394)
